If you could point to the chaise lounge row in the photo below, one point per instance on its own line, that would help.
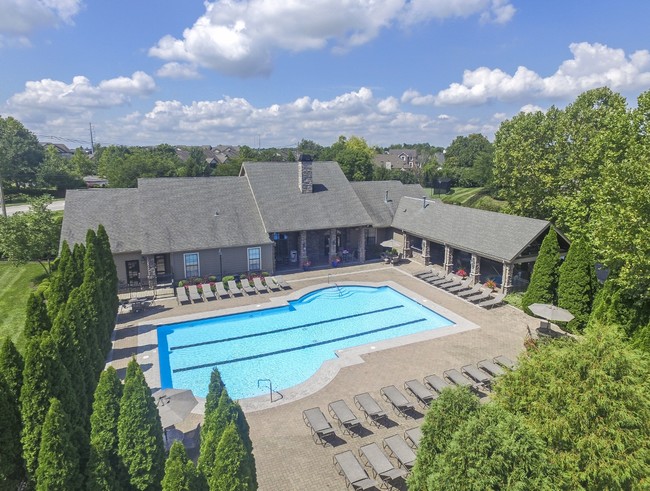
(452, 283)
(191, 293)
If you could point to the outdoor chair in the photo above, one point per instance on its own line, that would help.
(181, 295)
(207, 292)
(493, 302)
(478, 376)
(420, 392)
(424, 272)
(400, 403)
(454, 283)
(442, 281)
(505, 362)
(233, 288)
(281, 282)
(431, 276)
(259, 286)
(371, 410)
(436, 383)
(464, 286)
(413, 437)
(458, 379)
(473, 291)
(320, 428)
(344, 416)
(271, 285)
(484, 295)
(194, 293)
(347, 465)
(491, 368)
(221, 290)
(246, 286)
(400, 451)
(381, 467)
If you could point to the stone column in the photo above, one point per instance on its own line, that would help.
(151, 272)
(333, 251)
(426, 255)
(363, 231)
(475, 271)
(302, 245)
(406, 250)
(506, 281)
(449, 259)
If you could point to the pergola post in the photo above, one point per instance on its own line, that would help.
(333, 251)
(363, 231)
(506, 281)
(449, 259)
(475, 270)
(302, 243)
(426, 254)
(151, 272)
(406, 249)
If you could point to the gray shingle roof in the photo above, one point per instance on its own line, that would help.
(373, 197)
(179, 214)
(333, 204)
(116, 209)
(492, 235)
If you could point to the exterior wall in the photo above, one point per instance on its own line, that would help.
(120, 265)
(234, 260)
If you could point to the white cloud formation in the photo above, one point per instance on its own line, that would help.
(414, 97)
(177, 70)
(531, 108)
(21, 17)
(240, 37)
(592, 65)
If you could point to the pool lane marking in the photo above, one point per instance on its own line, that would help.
(284, 329)
(287, 350)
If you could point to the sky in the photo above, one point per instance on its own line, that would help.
(269, 73)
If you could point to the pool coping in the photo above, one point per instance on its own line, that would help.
(147, 338)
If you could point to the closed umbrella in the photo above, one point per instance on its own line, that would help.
(391, 244)
(174, 405)
(551, 312)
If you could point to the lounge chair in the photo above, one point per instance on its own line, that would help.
(432, 276)
(372, 411)
(221, 290)
(436, 383)
(420, 392)
(399, 449)
(233, 288)
(424, 272)
(475, 290)
(457, 378)
(207, 292)
(490, 367)
(181, 295)
(400, 403)
(271, 285)
(464, 286)
(492, 302)
(344, 416)
(478, 376)
(442, 281)
(504, 361)
(246, 286)
(281, 282)
(381, 467)
(484, 295)
(413, 437)
(347, 465)
(194, 294)
(259, 286)
(319, 426)
(454, 283)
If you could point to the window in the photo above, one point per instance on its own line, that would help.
(133, 272)
(191, 261)
(254, 258)
(161, 264)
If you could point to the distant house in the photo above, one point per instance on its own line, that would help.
(286, 215)
(402, 159)
(95, 182)
(213, 155)
(61, 149)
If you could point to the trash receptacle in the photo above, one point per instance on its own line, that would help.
(293, 256)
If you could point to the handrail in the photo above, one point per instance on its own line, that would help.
(271, 391)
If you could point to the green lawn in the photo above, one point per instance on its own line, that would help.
(16, 283)
(473, 198)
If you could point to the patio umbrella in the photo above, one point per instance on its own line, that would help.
(550, 312)
(391, 244)
(174, 405)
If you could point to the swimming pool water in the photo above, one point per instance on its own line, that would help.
(285, 344)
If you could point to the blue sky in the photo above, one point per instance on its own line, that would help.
(272, 72)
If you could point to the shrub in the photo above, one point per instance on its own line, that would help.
(182, 283)
(490, 284)
(226, 279)
(212, 278)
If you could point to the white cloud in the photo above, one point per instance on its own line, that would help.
(177, 70)
(530, 108)
(240, 38)
(21, 17)
(414, 97)
(592, 65)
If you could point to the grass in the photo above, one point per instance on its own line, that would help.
(472, 198)
(16, 283)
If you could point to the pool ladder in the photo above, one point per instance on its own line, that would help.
(337, 286)
(271, 391)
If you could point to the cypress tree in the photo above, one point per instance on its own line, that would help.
(140, 439)
(577, 284)
(57, 294)
(78, 256)
(231, 467)
(214, 391)
(543, 282)
(11, 461)
(91, 322)
(37, 319)
(213, 427)
(109, 276)
(58, 467)
(104, 469)
(11, 368)
(180, 473)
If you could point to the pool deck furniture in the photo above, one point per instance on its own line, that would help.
(495, 301)
(441, 281)
(320, 428)
(464, 286)
(382, 468)
(457, 378)
(221, 290)
(455, 283)
(397, 448)
(397, 400)
(207, 292)
(417, 389)
(491, 368)
(194, 293)
(476, 289)
(413, 437)
(271, 285)
(478, 376)
(424, 272)
(347, 465)
(344, 416)
(371, 409)
(436, 383)
(281, 282)
(246, 286)
(484, 295)
(259, 286)
(505, 362)
(181, 295)
(233, 288)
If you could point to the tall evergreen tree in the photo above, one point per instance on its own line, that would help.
(109, 276)
(543, 282)
(231, 467)
(213, 427)
(11, 367)
(214, 391)
(140, 439)
(37, 319)
(180, 473)
(78, 256)
(104, 469)
(58, 467)
(11, 462)
(577, 284)
(90, 305)
(57, 293)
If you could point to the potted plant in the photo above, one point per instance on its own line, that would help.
(491, 285)
(306, 264)
(462, 273)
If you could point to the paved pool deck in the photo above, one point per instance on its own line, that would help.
(286, 456)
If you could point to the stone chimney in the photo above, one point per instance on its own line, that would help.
(305, 180)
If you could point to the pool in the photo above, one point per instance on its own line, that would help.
(285, 344)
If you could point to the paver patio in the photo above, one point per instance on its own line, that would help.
(285, 455)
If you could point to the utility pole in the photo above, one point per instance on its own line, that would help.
(92, 144)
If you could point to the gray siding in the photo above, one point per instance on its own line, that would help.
(234, 260)
(120, 265)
